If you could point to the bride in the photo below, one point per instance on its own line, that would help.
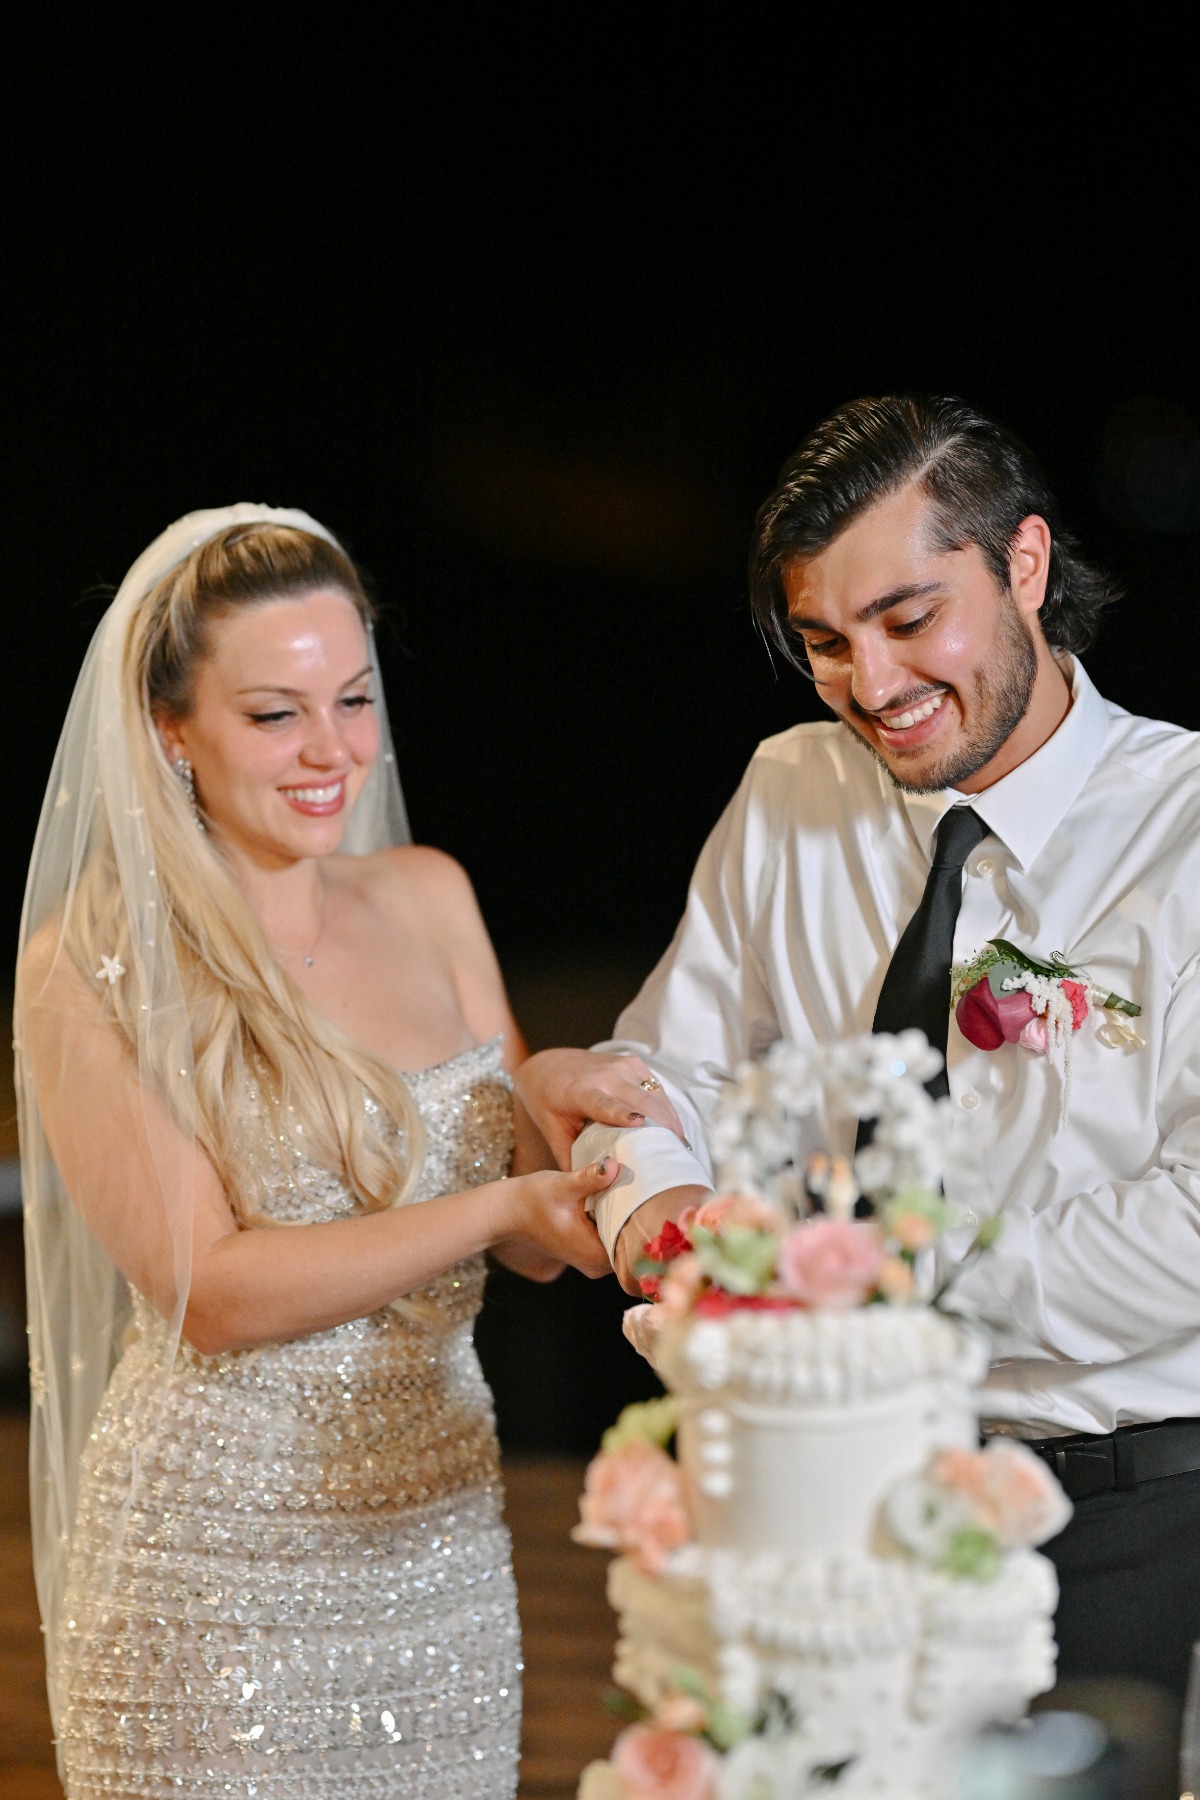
(264, 1054)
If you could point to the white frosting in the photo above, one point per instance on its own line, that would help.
(819, 1358)
(895, 1659)
(796, 1425)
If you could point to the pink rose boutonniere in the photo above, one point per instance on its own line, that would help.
(1002, 996)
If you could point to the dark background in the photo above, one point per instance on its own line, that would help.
(529, 312)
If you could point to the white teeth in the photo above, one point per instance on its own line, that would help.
(903, 721)
(321, 796)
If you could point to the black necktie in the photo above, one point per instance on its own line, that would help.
(916, 988)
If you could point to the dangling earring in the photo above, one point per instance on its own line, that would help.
(183, 769)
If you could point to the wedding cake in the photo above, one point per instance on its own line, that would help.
(829, 1587)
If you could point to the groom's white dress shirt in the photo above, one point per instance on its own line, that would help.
(1092, 1295)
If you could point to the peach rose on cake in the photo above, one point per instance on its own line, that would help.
(633, 1501)
(653, 1764)
(680, 1712)
(679, 1287)
(830, 1262)
(895, 1280)
(731, 1209)
(1008, 1489)
(912, 1231)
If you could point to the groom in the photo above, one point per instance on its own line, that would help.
(972, 784)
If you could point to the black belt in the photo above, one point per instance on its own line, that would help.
(1121, 1459)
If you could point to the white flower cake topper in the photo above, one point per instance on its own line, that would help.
(763, 1118)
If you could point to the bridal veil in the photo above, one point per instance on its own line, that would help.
(79, 1305)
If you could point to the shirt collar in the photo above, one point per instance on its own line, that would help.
(1025, 807)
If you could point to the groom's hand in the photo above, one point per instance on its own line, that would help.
(645, 1224)
(564, 1090)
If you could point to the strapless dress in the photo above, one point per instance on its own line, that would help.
(314, 1598)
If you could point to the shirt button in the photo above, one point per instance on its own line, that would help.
(984, 866)
(969, 1099)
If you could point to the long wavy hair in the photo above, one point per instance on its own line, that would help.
(252, 1029)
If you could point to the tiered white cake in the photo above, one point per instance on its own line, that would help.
(833, 1587)
(796, 1431)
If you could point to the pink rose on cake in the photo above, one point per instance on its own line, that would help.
(653, 1764)
(633, 1501)
(1009, 1490)
(830, 1262)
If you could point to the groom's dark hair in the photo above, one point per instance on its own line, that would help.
(981, 482)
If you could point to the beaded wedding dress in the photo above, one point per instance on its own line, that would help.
(315, 1597)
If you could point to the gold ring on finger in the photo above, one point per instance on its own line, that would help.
(651, 1084)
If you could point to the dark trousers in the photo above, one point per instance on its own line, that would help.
(1129, 1570)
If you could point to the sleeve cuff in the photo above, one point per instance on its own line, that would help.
(652, 1160)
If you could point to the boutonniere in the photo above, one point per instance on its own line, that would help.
(1003, 996)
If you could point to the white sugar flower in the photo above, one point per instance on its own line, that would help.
(772, 1116)
(923, 1515)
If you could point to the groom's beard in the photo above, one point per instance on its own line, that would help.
(1003, 690)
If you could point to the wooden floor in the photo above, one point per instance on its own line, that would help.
(568, 1632)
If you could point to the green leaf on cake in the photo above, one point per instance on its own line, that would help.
(623, 1705)
(741, 1260)
(972, 1555)
(653, 1421)
(724, 1726)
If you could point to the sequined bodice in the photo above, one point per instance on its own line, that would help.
(314, 1596)
(466, 1108)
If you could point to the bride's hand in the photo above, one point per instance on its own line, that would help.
(544, 1214)
(564, 1090)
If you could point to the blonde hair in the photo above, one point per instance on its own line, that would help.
(251, 1028)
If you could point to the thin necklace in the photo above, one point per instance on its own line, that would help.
(308, 960)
